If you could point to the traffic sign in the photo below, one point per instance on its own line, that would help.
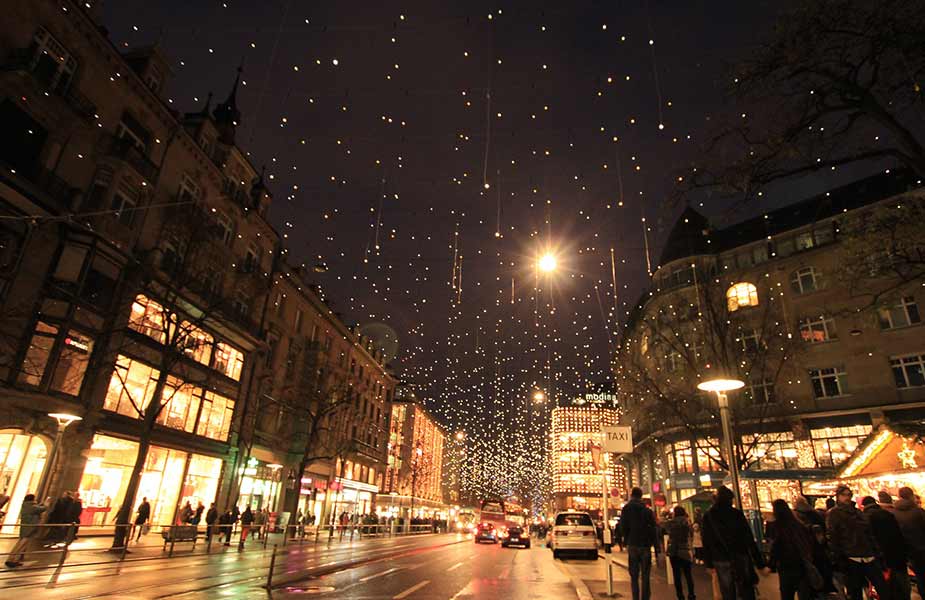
(618, 439)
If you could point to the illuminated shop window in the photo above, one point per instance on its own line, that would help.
(741, 295)
(229, 360)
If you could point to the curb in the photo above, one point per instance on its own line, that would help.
(581, 588)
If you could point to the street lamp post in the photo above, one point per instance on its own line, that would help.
(720, 386)
(63, 419)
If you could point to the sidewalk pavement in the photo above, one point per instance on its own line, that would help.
(93, 549)
(594, 576)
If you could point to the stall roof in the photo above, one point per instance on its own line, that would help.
(884, 451)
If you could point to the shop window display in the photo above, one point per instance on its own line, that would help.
(22, 460)
(833, 445)
(229, 360)
(169, 478)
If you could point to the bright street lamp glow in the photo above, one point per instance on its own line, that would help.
(539, 396)
(64, 419)
(720, 385)
(547, 263)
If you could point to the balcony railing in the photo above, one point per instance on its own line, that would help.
(21, 60)
(125, 150)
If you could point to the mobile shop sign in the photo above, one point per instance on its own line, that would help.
(597, 399)
(618, 439)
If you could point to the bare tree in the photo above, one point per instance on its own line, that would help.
(881, 251)
(679, 338)
(838, 83)
(320, 405)
(184, 287)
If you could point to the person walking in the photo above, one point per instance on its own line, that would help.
(74, 511)
(792, 555)
(141, 518)
(730, 549)
(226, 524)
(892, 545)
(211, 519)
(885, 500)
(639, 537)
(680, 537)
(30, 513)
(852, 546)
(911, 519)
(805, 513)
(260, 521)
(247, 519)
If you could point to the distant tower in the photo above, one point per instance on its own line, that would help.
(226, 115)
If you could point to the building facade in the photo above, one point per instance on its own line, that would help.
(414, 472)
(823, 329)
(578, 465)
(139, 269)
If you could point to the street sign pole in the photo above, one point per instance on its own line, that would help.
(617, 440)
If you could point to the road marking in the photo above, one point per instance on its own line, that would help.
(411, 590)
(380, 574)
(454, 567)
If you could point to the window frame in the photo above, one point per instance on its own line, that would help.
(823, 323)
(819, 376)
(797, 277)
(905, 304)
(734, 295)
(901, 363)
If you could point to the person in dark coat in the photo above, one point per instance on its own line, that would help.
(911, 519)
(639, 536)
(885, 500)
(680, 537)
(247, 519)
(791, 550)
(186, 514)
(853, 547)
(144, 513)
(730, 548)
(197, 516)
(892, 545)
(211, 519)
(58, 519)
(30, 513)
(805, 513)
(226, 524)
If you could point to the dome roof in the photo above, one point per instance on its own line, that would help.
(688, 237)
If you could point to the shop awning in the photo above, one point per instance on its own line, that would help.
(884, 451)
(794, 474)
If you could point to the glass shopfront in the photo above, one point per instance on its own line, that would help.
(260, 485)
(22, 461)
(170, 478)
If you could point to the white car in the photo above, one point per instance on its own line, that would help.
(573, 532)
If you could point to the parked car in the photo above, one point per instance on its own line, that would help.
(573, 531)
(515, 536)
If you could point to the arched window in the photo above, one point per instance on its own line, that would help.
(741, 295)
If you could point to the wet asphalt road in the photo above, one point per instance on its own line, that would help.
(433, 567)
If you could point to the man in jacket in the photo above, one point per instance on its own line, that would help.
(730, 549)
(29, 516)
(211, 519)
(638, 525)
(144, 513)
(911, 519)
(852, 546)
(889, 538)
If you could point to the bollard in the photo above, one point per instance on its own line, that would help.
(172, 542)
(272, 565)
(266, 536)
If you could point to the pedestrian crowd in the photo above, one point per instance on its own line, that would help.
(851, 549)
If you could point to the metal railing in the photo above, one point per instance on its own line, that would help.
(56, 547)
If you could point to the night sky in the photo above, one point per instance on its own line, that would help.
(378, 134)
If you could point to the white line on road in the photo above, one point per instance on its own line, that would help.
(411, 590)
(454, 567)
(380, 574)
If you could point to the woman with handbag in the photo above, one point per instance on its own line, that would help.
(792, 555)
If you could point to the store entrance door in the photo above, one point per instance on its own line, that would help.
(22, 462)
